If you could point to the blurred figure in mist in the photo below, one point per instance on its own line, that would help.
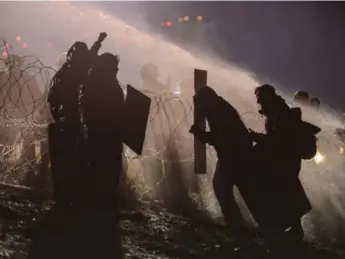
(315, 103)
(149, 74)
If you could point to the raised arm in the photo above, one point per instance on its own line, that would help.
(98, 44)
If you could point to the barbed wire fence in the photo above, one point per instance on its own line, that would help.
(165, 171)
(24, 117)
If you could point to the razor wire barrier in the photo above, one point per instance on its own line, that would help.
(24, 117)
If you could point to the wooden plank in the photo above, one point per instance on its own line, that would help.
(200, 80)
(137, 110)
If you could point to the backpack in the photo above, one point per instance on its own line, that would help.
(306, 140)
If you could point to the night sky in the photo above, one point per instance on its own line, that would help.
(298, 45)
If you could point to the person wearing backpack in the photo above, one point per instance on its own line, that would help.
(279, 155)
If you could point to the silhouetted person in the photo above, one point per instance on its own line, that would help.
(149, 74)
(227, 138)
(103, 108)
(103, 102)
(89, 228)
(280, 151)
(315, 103)
(65, 137)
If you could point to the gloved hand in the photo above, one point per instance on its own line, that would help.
(102, 36)
(193, 129)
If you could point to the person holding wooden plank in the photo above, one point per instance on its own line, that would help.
(227, 137)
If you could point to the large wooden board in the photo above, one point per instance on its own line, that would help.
(200, 80)
(137, 110)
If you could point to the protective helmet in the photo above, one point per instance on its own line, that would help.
(301, 97)
(315, 102)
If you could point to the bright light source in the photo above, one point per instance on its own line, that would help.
(169, 23)
(319, 158)
(4, 54)
(199, 18)
(24, 45)
(341, 150)
(177, 90)
(18, 38)
(186, 18)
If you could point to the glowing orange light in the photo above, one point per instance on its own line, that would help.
(341, 150)
(4, 54)
(24, 45)
(169, 23)
(199, 18)
(186, 18)
(18, 38)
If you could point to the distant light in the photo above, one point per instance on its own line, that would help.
(180, 19)
(24, 45)
(4, 54)
(341, 150)
(186, 18)
(177, 90)
(319, 158)
(199, 18)
(18, 38)
(169, 23)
